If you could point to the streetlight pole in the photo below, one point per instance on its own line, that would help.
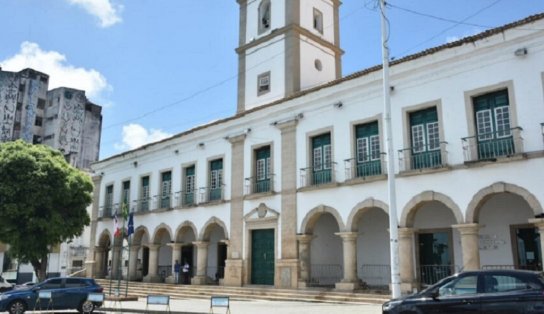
(391, 192)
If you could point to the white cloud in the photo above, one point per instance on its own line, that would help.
(60, 72)
(107, 12)
(135, 135)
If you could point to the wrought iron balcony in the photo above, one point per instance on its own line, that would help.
(105, 211)
(142, 205)
(371, 168)
(162, 201)
(254, 186)
(490, 146)
(312, 176)
(186, 198)
(422, 157)
(209, 194)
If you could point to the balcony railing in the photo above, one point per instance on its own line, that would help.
(492, 145)
(423, 157)
(162, 201)
(208, 194)
(371, 168)
(184, 199)
(376, 276)
(142, 205)
(311, 176)
(254, 186)
(325, 274)
(431, 274)
(109, 210)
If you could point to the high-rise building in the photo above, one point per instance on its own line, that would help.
(62, 118)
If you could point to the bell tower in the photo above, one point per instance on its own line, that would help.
(286, 46)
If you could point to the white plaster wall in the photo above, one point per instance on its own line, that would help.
(496, 216)
(307, 17)
(269, 56)
(310, 76)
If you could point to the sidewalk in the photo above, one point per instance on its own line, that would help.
(202, 306)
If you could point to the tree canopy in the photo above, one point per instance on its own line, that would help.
(43, 201)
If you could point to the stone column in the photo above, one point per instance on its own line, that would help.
(470, 245)
(152, 275)
(233, 264)
(133, 262)
(176, 255)
(201, 263)
(287, 265)
(116, 258)
(539, 223)
(349, 245)
(406, 259)
(98, 263)
(304, 242)
(91, 261)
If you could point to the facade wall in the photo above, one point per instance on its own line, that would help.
(461, 190)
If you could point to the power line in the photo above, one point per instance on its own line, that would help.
(456, 23)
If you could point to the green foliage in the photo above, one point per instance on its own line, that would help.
(43, 200)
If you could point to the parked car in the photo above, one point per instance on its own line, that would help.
(56, 294)
(4, 285)
(25, 285)
(485, 291)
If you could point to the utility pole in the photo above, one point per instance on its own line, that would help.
(391, 192)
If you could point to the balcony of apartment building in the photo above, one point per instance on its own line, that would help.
(424, 157)
(495, 145)
(108, 210)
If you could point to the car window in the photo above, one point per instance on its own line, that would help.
(503, 283)
(52, 284)
(74, 283)
(464, 285)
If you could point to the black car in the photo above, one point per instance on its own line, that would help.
(52, 294)
(486, 291)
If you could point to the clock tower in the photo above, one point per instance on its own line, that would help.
(286, 46)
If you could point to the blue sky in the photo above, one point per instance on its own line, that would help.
(159, 67)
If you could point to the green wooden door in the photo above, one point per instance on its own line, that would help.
(493, 133)
(321, 159)
(368, 150)
(216, 180)
(425, 139)
(166, 189)
(262, 173)
(262, 257)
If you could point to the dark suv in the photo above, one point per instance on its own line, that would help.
(52, 294)
(486, 291)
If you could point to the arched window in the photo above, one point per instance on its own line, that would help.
(264, 16)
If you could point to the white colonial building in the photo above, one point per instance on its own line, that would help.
(292, 190)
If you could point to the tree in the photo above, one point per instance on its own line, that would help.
(43, 201)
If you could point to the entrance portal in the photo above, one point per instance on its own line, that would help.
(262, 257)
(435, 256)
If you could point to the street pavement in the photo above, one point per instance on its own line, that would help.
(201, 306)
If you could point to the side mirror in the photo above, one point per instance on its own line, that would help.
(434, 295)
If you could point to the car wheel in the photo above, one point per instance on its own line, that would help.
(86, 307)
(17, 307)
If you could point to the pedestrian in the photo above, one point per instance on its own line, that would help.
(186, 273)
(177, 267)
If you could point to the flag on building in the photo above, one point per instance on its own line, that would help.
(130, 224)
(116, 229)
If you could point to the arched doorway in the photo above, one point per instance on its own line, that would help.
(214, 237)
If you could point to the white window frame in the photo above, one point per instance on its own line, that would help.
(418, 138)
(484, 122)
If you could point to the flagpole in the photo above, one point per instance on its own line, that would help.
(130, 231)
